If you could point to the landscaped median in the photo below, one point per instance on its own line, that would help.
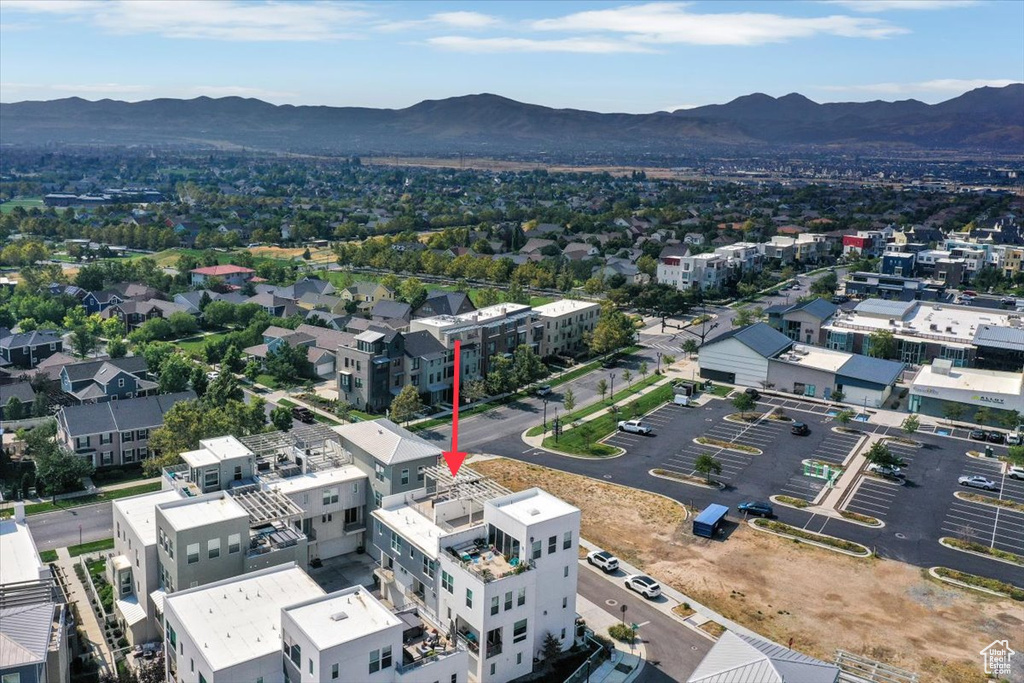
(839, 545)
(978, 583)
(989, 500)
(92, 499)
(857, 518)
(790, 501)
(584, 439)
(693, 480)
(728, 445)
(976, 548)
(598, 406)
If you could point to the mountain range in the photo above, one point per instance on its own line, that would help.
(981, 119)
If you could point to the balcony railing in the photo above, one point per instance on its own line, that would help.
(493, 649)
(437, 655)
(359, 525)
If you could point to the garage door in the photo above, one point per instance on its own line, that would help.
(718, 375)
(336, 546)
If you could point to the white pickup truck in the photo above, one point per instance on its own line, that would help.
(635, 427)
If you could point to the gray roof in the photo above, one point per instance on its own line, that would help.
(326, 338)
(336, 321)
(90, 369)
(761, 338)
(872, 370)
(386, 308)
(422, 344)
(738, 658)
(118, 416)
(1000, 337)
(444, 303)
(25, 634)
(33, 338)
(883, 308)
(819, 308)
(387, 442)
(19, 390)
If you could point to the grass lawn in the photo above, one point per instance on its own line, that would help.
(39, 508)
(116, 475)
(541, 300)
(47, 556)
(198, 342)
(600, 405)
(583, 440)
(91, 547)
(267, 381)
(721, 390)
(26, 203)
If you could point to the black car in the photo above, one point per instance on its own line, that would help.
(996, 437)
(800, 429)
(303, 414)
(979, 435)
(758, 508)
(752, 393)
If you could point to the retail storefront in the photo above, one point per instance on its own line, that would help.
(940, 384)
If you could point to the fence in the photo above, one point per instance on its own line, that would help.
(582, 674)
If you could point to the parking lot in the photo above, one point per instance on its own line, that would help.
(995, 527)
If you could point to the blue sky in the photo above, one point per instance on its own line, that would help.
(602, 56)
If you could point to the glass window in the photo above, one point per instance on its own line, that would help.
(469, 598)
(447, 582)
(396, 542)
(521, 597)
(419, 473)
(519, 631)
(334, 671)
(405, 476)
(428, 566)
(234, 543)
(494, 605)
(508, 600)
(536, 550)
(567, 540)
(213, 547)
(193, 553)
(385, 657)
(211, 478)
(552, 544)
(330, 496)
(374, 661)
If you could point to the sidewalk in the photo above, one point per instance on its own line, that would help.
(631, 659)
(89, 623)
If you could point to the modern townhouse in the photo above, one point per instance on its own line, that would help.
(566, 322)
(371, 368)
(496, 569)
(114, 432)
(702, 271)
(27, 349)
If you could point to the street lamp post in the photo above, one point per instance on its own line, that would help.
(658, 371)
(611, 395)
(545, 401)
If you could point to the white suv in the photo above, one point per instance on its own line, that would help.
(635, 427)
(644, 585)
(603, 560)
(1015, 472)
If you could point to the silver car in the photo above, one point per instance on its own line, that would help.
(978, 482)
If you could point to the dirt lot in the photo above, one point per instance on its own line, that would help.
(287, 254)
(824, 601)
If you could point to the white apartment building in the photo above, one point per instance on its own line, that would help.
(741, 256)
(703, 271)
(350, 636)
(499, 569)
(565, 322)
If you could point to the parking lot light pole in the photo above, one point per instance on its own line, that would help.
(658, 371)
(545, 401)
(611, 394)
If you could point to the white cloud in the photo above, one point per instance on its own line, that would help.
(892, 5)
(665, 23)
(464, 19)
(939, 85)
(223, 20)
(505, 44)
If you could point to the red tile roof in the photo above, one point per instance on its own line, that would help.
(221, 270)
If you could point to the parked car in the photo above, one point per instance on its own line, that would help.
(800, 429)
(1015, 438)
(996, 437)
(644, 585)
(1015, 472)
(885, 470)
(978, 482)
(752, 393)
(979, 435)
(755, 507)
(303, 414)
(635, 427)
(544, 390)
(603, 560)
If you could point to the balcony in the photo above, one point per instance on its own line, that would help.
(271, 537)
(180, 477)
(489, 564)
(426, 649)
(352, 527)
(384, 574)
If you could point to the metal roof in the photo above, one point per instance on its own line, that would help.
(871, 370)
(387, 442)
(884, 308)
(1000, 337)
(761, 338)
(25, 634)
(819, 308)
(738, 658)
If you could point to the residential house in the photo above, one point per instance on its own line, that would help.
(114, 379)
(535, 245)
(739, 657)
(439, 302)
(232, 275)
(370, 368)
(321, 344)
(900, 263)
(693, 238)
(703, 271)
(386, 311)
(27, 349)
(866, 243)
(616, 266)
(114, 432)
(97, 302)
(134, 313)
(277, 306)
(23, 393)
(366, 294)
(430, 367)
(578, 251)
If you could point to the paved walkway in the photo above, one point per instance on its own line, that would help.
(626, 662)
(89, 623)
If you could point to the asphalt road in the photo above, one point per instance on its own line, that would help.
(673, 650)
(61, 528)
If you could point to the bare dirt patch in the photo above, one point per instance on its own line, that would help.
(288, 253)
(824, 601)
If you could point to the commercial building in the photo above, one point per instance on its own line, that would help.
(899, 288)
(565, 323)
(803, 320)
(498, 569)
(940, 384)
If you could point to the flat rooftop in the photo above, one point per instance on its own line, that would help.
(815, 357)
(140, 512)
(532, 506)
(969, 379)
(19, 560)
(239, 619)
(315, 480)
(413, 526)
(565, 306)
(195, 512)
(923, 320)
(214, 451)
(480, 316)
(341, 617)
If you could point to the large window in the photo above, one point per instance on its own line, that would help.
(519, 631)
(330, 496)
(536, 550)
(469, 598)
(396, 543)
(428, 567)
(495, 605)
(211, 478)
(234, 543)
(567, 540)
(213, 548)
(552, 544)
(447, 582)
(521, 597)
(193, 553)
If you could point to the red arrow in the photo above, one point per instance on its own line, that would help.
(454, 457)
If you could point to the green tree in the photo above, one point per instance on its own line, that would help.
(222, 390)
(983, 415)
(175, 374)
(707, 465)
(744, 402)
(413, 292)
(844, 417)
(253, 370)
(14, 410)
(219, 314)
(500, 378)
(152, 330)
(473, 390)
(838, 396)
(288, 364)
(911, 424)
(1009, 419)
(116, 348)
(551, 648)
(182, 324)
(594, 285)
(748, 316)
(882, 344)
(83, 341)
(569, 400)
(281, 418)
(644, 369)
(826, 284)
(231, 360)
(602, 387)
(488, 297)
(199, 380)
(405, 406)
(40, 405)
(613, 331)
(648, 265)
(953, 411)
(627, 375)
(527, 366)
(880, 454)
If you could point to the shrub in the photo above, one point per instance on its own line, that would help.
(621, 632)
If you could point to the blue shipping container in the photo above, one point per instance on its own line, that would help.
(708, 521)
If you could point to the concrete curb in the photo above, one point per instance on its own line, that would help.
(806, 541)
(726, 448)
(960, 496)
(960, 584)
(943, 543)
